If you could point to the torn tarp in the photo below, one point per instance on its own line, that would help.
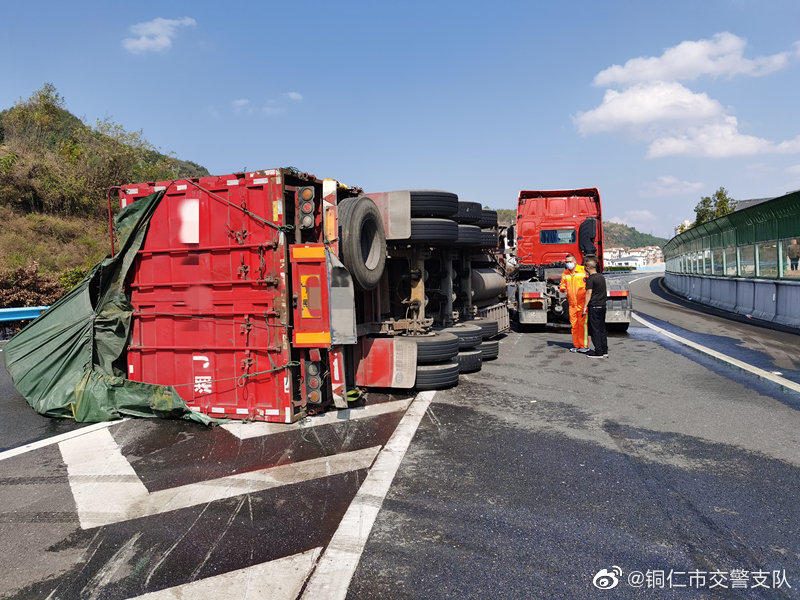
(70, 361)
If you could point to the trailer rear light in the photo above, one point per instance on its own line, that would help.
(530, 295)
(313, 382)
(306, 207)
(618, 293)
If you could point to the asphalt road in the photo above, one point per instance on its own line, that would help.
(524, 481)
(547, 467)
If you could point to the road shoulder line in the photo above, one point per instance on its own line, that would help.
(331, 578)
(57, 439)
(784, 383)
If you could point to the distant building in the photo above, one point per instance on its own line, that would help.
(649, 255)
(634, 262)
(652, 254)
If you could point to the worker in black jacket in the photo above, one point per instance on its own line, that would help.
(595, 308)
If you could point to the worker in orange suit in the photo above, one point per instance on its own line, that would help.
(573, 282)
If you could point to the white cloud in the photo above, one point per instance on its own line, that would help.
(714, 140)
(241, 104)
(720, 56)
(296, 96)
(652, 106)
(155, 35)
(643, 221)
(719, 140)
(272, 110)
(647, 106)
(669, 186)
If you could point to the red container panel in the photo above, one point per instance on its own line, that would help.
(210, 296)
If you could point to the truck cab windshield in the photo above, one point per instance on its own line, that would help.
(557, 236)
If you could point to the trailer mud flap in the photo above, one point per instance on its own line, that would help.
(312, 328)
(386, 362)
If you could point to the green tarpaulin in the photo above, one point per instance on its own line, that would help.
(70, 361)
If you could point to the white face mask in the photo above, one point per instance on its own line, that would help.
(570, 265)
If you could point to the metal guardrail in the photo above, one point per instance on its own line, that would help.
(21, 314)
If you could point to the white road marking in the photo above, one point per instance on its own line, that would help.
(331, 578)
(56, 439)
(280, 579)
(642, 277)
(107, 490)
(791, 385)
(245, 431)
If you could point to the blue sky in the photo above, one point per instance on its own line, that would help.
(654, 103)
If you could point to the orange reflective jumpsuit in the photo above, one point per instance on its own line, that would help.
(574, 283)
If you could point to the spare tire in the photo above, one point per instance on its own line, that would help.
(433, 203)
(362, 241)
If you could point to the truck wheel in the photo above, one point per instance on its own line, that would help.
(363, 241)
(469, 361)
(489, 349)
(468, 335)
(469, 213)
(437, 376)
(469, 235)
(489, 327)
(433, 203)
(489, 239)
(435, 347)
(488, 218)
(433, 231)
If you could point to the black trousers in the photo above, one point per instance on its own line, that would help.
(597, 328)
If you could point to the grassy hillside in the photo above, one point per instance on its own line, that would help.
(55, 172)
(617, 234)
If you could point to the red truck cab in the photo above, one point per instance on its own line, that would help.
(550, 225)
(554, 223)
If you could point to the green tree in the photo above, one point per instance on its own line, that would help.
(712, 207)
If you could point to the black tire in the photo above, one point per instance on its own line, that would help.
(435, 347)
(469, 213)
(433, 231)
(363, 241)
(469, 361)
(489, 239)
(617, 327)
(433, 203)
(468, 335)
(489, 327)
(469, 235)
(437, 376)
(489, 349)
(488, 218)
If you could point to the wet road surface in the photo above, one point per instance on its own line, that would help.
(524, 481)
